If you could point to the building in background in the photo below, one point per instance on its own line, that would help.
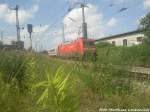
(12, 45)
(125, 39)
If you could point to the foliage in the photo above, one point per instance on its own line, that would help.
(57, 88)
(131, 56)
(36, 83)
(145, 25)
(16, 78)
(17, 68)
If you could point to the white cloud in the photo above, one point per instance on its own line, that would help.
(9, 15)
(93, 19)
(112, 22)
(3, 10)
(146, 4)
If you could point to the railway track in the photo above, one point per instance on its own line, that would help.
(138, 72)
(141, 73)
(141, 70)
(134, 69)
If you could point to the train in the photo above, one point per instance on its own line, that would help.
(79, 48)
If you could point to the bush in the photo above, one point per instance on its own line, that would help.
(130, 56)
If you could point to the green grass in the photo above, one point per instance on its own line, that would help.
(131, 56)
(36, 83)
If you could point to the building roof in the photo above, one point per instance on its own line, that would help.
(119, 35)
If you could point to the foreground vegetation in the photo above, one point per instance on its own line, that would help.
(36, 83)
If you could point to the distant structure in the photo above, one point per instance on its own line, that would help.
(125, 39)
(13, 45)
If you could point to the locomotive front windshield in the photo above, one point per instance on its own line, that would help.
(89, 44)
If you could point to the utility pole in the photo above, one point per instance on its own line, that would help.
(19, 43)
(17, 23)
(84, 24)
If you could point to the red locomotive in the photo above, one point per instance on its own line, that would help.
(79, 48)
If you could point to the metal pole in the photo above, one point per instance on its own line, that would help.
(84, 24)
(17, 23)
(83, 15)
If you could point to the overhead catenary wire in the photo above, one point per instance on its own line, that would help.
(113, 3)
(59, 17)
(123, 8)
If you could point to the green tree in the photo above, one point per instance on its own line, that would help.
(145, 26)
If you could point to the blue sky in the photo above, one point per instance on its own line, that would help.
(47, 16)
